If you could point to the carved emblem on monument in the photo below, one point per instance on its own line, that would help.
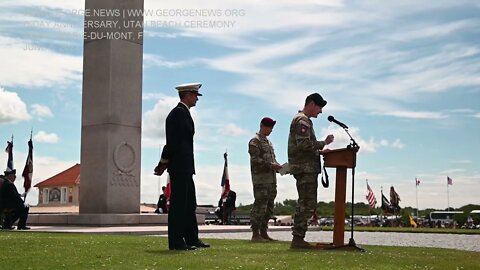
(124, 158)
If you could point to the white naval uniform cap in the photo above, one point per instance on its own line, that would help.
(189, 87)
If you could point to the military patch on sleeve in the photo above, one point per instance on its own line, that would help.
(252, 146)
(303, 129)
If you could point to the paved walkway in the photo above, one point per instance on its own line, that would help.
(451, 241)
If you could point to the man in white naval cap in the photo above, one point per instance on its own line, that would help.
(177, 158)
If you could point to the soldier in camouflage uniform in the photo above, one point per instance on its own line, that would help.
(263, 167)
(304, 164)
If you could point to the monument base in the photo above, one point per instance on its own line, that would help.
(101, 219)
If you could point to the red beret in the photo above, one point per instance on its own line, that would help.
(267, 121)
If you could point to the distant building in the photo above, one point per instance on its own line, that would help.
(60, 190)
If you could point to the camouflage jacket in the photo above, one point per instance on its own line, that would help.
(261, 157)
(303, 147)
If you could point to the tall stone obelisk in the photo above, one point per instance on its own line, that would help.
(111, 107)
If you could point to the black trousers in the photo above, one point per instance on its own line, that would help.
(182, 221)
(20, 213)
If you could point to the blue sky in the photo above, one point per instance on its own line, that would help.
(405, 78)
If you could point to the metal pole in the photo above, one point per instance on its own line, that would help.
(416, 193)
(448, 198)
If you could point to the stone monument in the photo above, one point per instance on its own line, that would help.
(111, 107)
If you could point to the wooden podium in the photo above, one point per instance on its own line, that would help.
(342, 159)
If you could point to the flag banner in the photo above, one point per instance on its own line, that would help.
(168, 189)
(449, 181)
(412, 222)
(417, 181)
(386, 206)
(9, 150)
(225, 183)
(28, 170)
(394, 200)
(372, 201)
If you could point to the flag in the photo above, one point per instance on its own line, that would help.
(28, 170)
(386, 206)
(417, 181)
(9, 150)
(449, 181)
(371, 197)
(412, 222)
(168, 190)
(225, 183)
(394, 199)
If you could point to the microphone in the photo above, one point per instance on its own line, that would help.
(332, 119)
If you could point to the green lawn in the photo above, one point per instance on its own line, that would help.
(29, 250)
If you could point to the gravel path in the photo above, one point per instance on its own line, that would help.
(451, 241)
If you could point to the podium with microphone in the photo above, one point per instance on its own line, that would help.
(342, 159)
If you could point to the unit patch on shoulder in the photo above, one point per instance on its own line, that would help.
(302, 130)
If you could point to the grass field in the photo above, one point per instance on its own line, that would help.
(29, 250)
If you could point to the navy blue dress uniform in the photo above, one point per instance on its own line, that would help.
(11, 200)
(177, 157)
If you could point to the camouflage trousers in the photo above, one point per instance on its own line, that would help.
(262, 209)
(307, 185)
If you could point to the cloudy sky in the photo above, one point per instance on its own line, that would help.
(405, 78)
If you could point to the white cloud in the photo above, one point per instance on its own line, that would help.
(153, 126)
(398, 144)
(250, 61)
(151, 60)
(41, 110)
(414, 115)
(36, 66)
(233, 130)
(464, 161)
(428, 31)
(366, 145)
(66, 5)
(12, 108)
(45, 137)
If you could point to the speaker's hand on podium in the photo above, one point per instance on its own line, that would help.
(325, 150)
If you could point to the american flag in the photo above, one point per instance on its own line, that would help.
(225, 183)
(449, 181)
(417, 181)
(371, 197)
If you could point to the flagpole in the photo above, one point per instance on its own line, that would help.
(448, 197)
(381, 206)
(416, 193)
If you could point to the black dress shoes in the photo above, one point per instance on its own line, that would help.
(184, 247)
(201, 244)
(23, 228)
(8, 227)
